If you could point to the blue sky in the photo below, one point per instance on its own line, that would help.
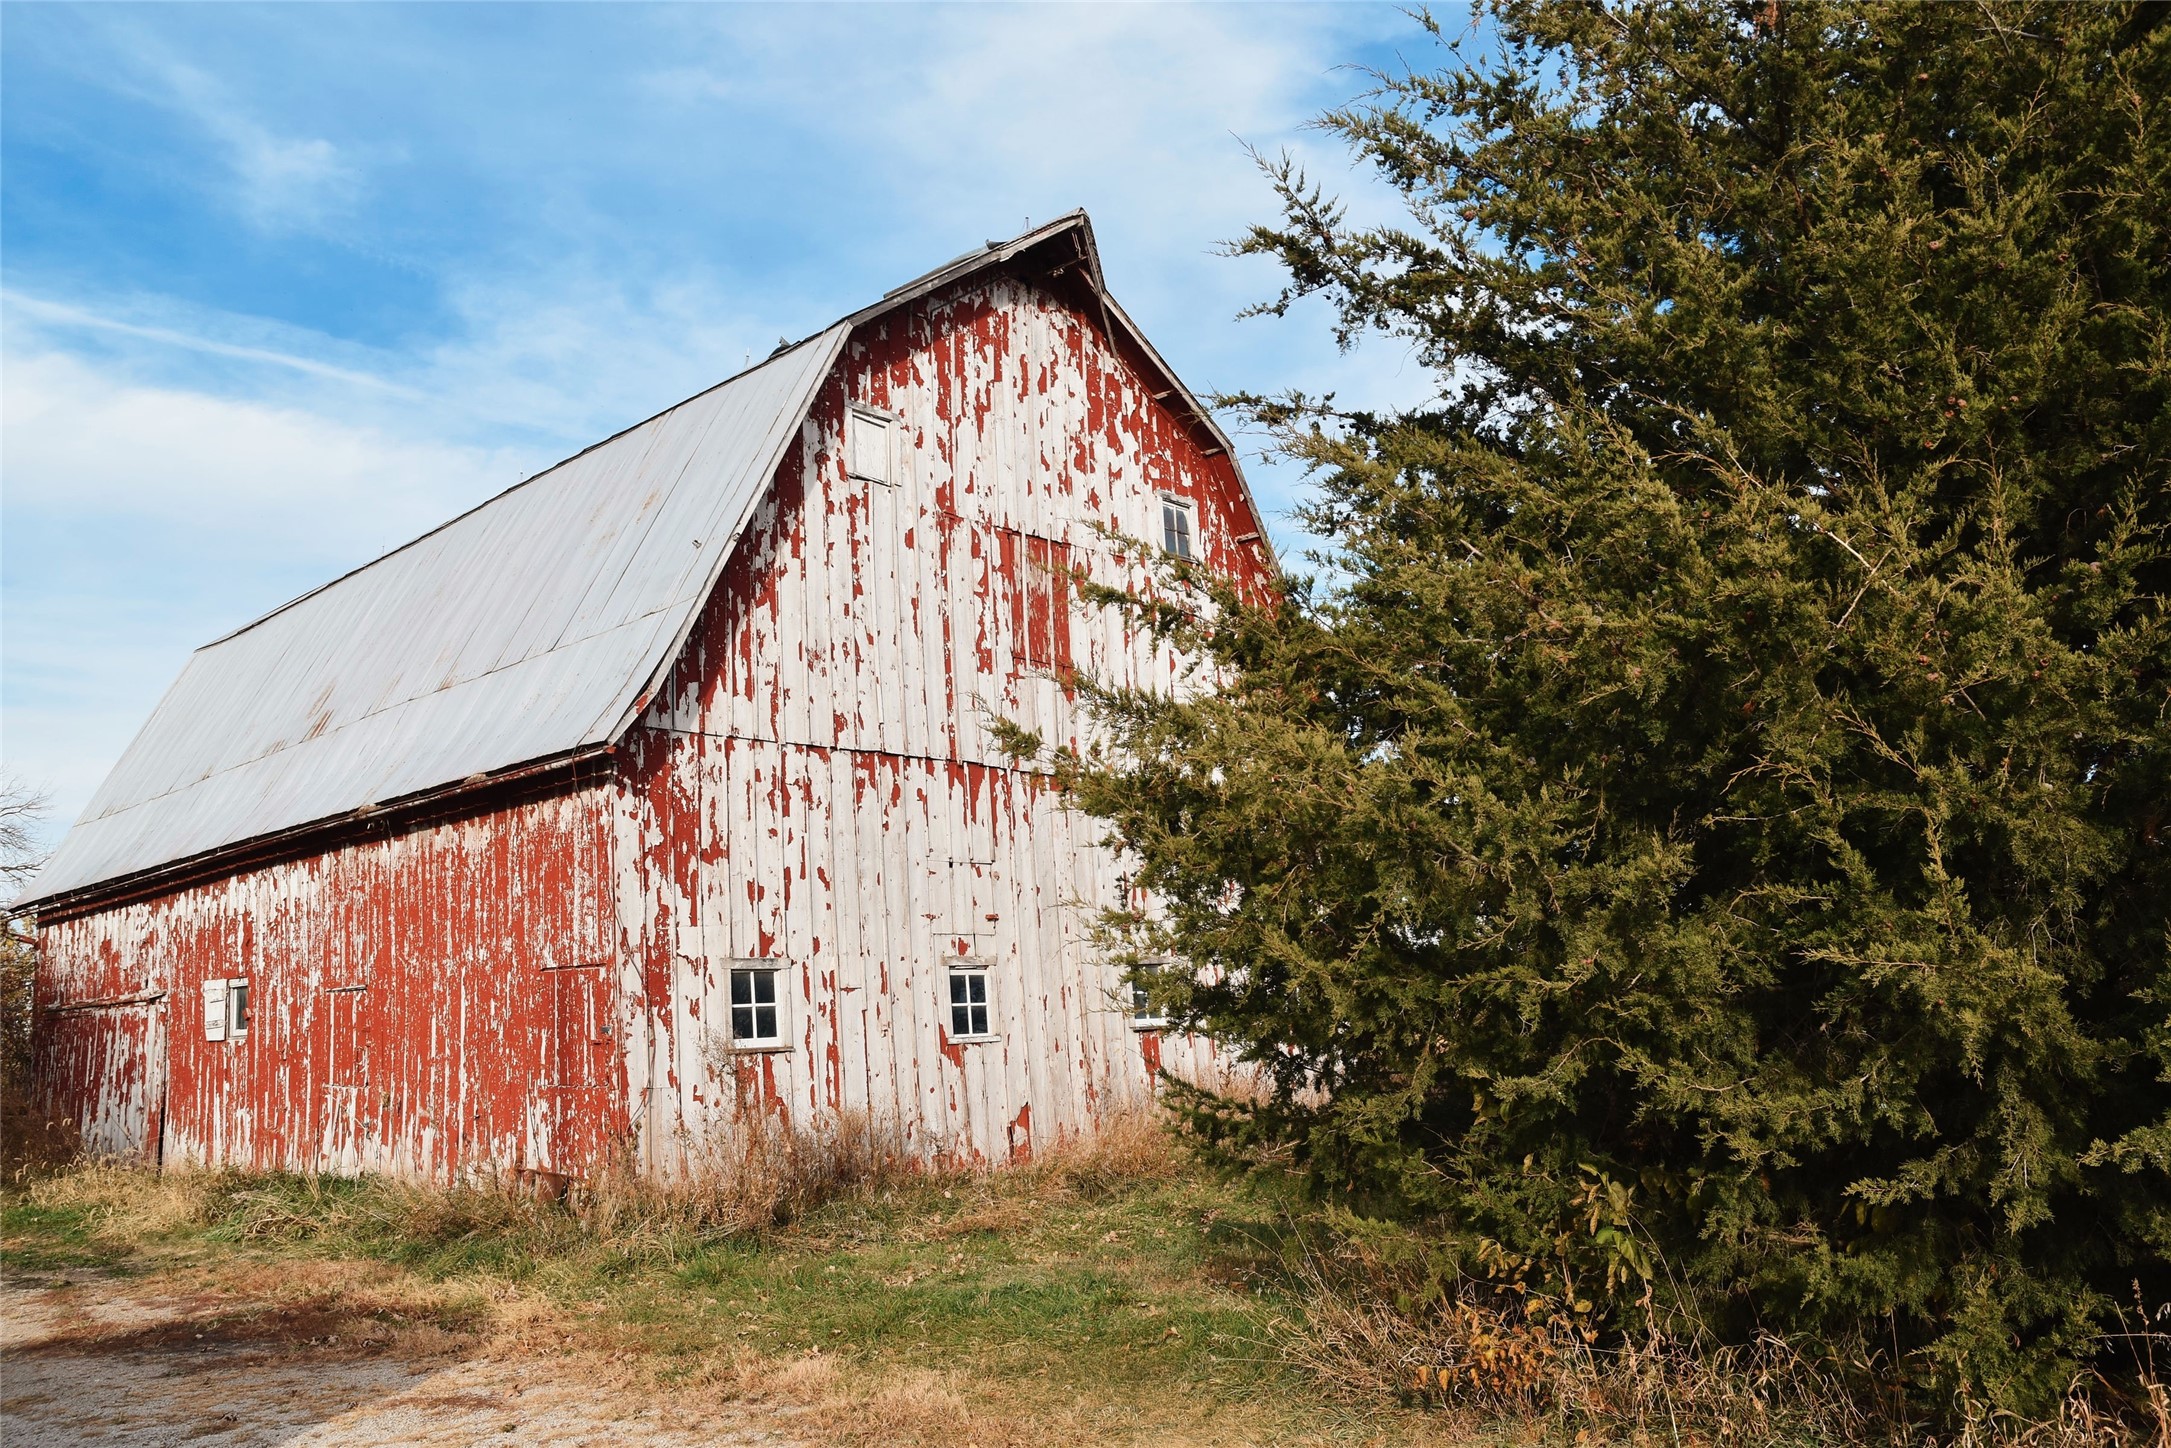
(287, 285)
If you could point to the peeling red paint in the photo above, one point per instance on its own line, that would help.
(418, 1000)
(1021, 1134)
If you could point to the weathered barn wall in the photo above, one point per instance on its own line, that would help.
(818, 783)
(433, 997)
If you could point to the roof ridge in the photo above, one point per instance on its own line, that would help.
(896, 296)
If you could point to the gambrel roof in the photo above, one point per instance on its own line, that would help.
(528, 631)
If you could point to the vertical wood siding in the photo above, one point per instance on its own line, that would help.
(818, 784)
(420, 1003)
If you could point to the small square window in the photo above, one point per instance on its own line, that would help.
(969, 1001)
(1176, 527)
(757, 1016)
(226, 1008)
(870, 450)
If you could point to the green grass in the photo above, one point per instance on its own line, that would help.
(1139, 1310)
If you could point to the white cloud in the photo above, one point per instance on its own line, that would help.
(256, 477)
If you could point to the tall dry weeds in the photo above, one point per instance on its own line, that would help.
(1371, 1329)
(1128, 1147)
(764, 1172)
(31, 1141)
(754, 1180)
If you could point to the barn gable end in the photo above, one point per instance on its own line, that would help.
(817, 786)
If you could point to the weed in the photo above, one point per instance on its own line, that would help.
(1374, 1326)
(763, 1173)
(32, 1141)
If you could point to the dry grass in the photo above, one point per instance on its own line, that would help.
(1108, 1291)
(1495, 1359)
(1129, 1148)
(763, 1173)
(125, 1203)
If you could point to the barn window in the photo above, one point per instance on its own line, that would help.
(969, 1001)
(226, 1009)
(1145, 1015)
(757, 1013)
(870, 451)
(1176, 529)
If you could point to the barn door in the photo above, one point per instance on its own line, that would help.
(102, 1068)
(346, 1081)
(579, 1069)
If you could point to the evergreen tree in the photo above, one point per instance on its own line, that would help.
(1705, 836)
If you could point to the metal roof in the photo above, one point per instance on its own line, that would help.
(527, 630)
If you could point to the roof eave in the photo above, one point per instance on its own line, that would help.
(223, 859)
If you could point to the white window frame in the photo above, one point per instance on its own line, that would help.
(1143, 1015)
(754, 970)
(857, 420)
(967, 968)
(226, 1008)
(1190, 513)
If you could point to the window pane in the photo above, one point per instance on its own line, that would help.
(764, 987)
(765, 1022)
(968, 1003)
(1176, 529)
(742, 1023)
(237, 1006)
(742, 987)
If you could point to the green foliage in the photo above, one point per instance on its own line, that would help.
(1702, 844)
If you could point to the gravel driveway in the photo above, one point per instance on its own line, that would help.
(85, 1361)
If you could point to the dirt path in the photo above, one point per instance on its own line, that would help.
(83, 1360)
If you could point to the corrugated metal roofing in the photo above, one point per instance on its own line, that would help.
(523, 630)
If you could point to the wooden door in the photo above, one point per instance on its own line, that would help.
(344, 1138)
(580, 1070)
(102, 1071)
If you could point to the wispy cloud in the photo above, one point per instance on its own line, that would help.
(64, 315)
(277, 180)
(79, 438)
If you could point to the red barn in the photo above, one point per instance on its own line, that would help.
(666, 777)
